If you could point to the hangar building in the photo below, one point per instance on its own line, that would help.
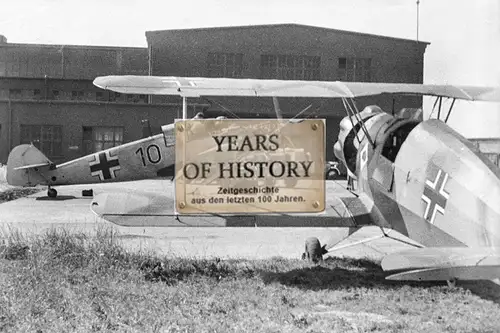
(47, 96)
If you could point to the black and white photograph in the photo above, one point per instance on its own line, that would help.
(250, 166)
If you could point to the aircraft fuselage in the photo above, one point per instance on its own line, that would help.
(429, 183)
(142, 159)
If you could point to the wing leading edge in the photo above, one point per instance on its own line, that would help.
(198, 86)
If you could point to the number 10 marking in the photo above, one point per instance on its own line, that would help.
(152, 152)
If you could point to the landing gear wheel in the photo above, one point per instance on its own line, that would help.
(51, 193)
(332, 174)
(313, 250)
(452, 283)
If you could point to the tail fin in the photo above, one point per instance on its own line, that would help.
(23, 166)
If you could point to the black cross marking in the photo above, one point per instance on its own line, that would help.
(103, 167)
(435, 196)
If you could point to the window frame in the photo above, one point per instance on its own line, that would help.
(220, 64)
(290, 67)
(356, 69)
(42, 137)
(98, 144)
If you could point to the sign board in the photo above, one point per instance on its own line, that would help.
(249, 166)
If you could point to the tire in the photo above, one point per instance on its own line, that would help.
(51, 193)
(333, 174)
(313, 250)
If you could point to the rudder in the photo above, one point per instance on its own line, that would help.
(23, 166)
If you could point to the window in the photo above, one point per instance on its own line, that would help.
(3, 68)
(37, 94)
(131, 98)
(56, 94)
(15, 93)
(47, 138)
(77, 95)
(114, 96)
(290, 67)
(225, 64)
(493, 157)
(99, 96)
(99, 138)
(134, 98)
(354, 69)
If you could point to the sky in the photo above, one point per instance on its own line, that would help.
(464, 35)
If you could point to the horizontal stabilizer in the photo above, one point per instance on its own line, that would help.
(32, 166)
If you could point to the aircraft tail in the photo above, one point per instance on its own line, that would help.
(24, 165)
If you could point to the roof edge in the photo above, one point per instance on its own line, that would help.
(155, 32)
(74, 46)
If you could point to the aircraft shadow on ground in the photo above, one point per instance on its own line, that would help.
(58, 198)
(366, 274)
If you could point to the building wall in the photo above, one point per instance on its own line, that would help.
(52, 85)
(70, 61)
(73, 116)
(61, 89)
(184, 52)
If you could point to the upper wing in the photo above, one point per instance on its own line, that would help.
(197, 86)
(433, 263)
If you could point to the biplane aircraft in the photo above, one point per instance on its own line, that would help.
(420, 178)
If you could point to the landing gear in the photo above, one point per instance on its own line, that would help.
(313, 250)
(350, 183)
(51, 193)
(452, 283)
(333, 174)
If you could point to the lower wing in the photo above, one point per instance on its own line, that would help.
(156, 209)
(446, 263)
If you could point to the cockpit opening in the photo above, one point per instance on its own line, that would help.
(395, 140)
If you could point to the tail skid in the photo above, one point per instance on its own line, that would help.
(24, 165)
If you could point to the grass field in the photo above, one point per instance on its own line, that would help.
(62, 282)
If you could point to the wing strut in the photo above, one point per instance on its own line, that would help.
(277, 109)
(355, 112)
(439, 108)
(439, 100)
(184, 107)
(347, 109)
(449, 111)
